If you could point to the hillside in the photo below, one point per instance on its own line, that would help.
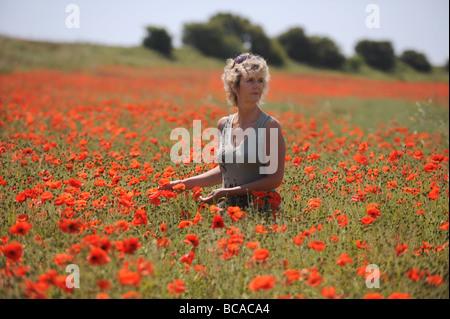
(22, 55)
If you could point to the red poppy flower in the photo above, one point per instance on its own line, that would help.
(259, 194)
(129, 245)
(361, 243)
(69, 226)
(184, 224)
(13, 251)
(105, 243)
(314, 279)
(192, 239)
(344, 259)
(435, 280)
(314, 203)
(99, 183)
(342, 220)
(401, 249)
(399, 295)
(262, 282)
(98, 256)
(20, 228)
(317, 245)
(179, 187)
(434, 194)
(413, 274)
(144, 267)
(140, 217)
(45, 196)
(329, 292)
(218, 222)
(374, 213)
(252, 244)
(188, 258)
(163, 242)
(62, 259)
(214, 208)
(261, 254)
(291, 274)
(75, 183)
(298, 240)
(163, 182)
(367, 220)
(198, 217)
(260, 229)
(21, 197)
(438, 158)
(429, 167)
(128, 278)
(176, 287)
(103, 284)
(235, 213)
(22, 218)
(61, 283)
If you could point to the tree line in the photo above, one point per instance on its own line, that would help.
(226, 35)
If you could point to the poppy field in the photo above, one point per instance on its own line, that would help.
(365, 194)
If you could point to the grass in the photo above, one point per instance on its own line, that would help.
(416, 116)
(20, 54)
(89, 128)
(17, 54)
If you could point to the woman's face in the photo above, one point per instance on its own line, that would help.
(251, 88)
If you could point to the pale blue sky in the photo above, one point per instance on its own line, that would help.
(422, 25)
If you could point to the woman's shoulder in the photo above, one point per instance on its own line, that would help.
(221, 122)
(271, 122)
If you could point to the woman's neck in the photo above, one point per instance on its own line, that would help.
(247, 113)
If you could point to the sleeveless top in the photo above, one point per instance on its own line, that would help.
(241, 164)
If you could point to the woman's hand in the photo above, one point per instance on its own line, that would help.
(172, 184)
(215, 196)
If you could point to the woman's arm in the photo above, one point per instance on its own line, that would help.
(266, 183)
(209, 178)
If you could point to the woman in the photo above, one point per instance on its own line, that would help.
(246, 80)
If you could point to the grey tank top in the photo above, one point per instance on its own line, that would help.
(241, 164)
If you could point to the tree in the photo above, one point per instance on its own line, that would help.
(316, 51)
(226, 35)
(232, 25)
(297, 45)
(416, 60)
(379, 55)
(262, 45)
(158, 39)
(325, 53)
(211, 40)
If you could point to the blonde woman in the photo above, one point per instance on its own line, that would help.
(252, 148)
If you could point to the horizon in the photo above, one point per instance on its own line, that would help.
(418, 25)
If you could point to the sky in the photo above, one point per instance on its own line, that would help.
(421, 25)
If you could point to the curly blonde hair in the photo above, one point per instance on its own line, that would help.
(254, 65)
